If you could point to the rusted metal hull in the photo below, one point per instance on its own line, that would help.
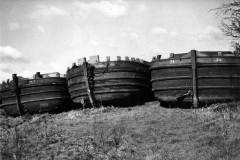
(115, 83)
(37, 96)
(217, 77)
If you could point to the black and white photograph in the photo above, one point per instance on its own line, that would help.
(119, 79)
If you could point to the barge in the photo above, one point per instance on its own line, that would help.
(43, 93)
(198, 77)
(120, 82)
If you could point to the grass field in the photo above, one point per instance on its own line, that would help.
(146, 132)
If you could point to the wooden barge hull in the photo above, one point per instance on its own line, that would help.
(115, 83)
(37, 96)
(217, 78)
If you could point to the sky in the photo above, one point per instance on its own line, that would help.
(49, 35)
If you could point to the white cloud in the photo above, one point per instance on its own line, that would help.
(113, 9)
(129, 33)
(13, 26)
(77, 36)
(10, 52)
(173, 34)
(94, 42)
(209, 33)
(134, 35)
(11, 61)
(142, 8)
(42, 10)
(26, 74)
(4, 76)
(213, 32)
(159, 31)
(41, 28)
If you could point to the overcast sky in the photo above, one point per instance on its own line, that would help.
(49, 35)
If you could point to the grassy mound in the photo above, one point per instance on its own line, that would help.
(147, 132)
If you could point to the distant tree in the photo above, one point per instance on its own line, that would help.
(236, 47)
(230, 21)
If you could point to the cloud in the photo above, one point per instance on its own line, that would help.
(134, 35)
(4, 76)
(43, 11)
(210, 33)
(8, 51)
(173, 34)
(76, 36)
(129, 33)
(13, 26)
(11, 61)
(26, 73)
(112, 9)
(142, 8)
(159, 31)
(41, 28)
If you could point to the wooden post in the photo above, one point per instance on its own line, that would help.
(37, 75)
(194, 78)
(154, 58)
(89, 90)
(171, 55)
(118, 58)
(108, 58)
(17, 93)
(159, 57)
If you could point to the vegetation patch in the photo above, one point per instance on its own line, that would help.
(146, 132)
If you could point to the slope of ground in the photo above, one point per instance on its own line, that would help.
(147, 132)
